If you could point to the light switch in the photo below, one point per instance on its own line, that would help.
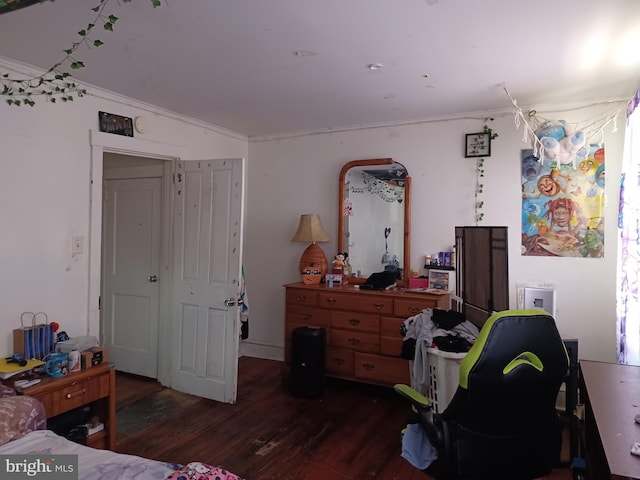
(77, 245)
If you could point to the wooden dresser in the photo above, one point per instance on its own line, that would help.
(95, 386)
(362, 326)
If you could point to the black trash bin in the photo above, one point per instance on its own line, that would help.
(307, 362)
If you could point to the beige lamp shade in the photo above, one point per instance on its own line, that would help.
(310, 229)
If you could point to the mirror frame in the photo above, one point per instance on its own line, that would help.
(406, 254)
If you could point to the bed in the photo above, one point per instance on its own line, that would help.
(23, 431)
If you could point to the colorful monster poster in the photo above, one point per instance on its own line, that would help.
(563, 206)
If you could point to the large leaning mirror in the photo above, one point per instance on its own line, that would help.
(374, 217)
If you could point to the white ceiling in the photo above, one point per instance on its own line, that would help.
(233, 63)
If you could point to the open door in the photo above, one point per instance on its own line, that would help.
(208, 202)
(482, 272)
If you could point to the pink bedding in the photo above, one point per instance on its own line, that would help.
(19, 415)
(202, 471)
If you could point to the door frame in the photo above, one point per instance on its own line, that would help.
(100, 143)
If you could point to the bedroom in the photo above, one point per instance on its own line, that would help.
(45, 202)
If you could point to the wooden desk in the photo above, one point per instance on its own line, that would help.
(612, 399)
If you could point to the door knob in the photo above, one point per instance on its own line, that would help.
(152, 278)
(229, 302)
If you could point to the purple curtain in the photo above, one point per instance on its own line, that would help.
(628, 261)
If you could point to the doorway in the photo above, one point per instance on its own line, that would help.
(201, 258)
(134, 252)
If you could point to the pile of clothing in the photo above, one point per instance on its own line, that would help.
(446, 330)
(431, 328)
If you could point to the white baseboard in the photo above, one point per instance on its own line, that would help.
(257, 350)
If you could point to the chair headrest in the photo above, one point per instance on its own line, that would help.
(514, 338)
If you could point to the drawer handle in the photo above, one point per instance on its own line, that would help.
(74, 394)
(354, 341)
(338, 361)
(331, 301)
(305, 316)
(354, 321)
(368, 367)
(301, 298)
(414, 309)
(378, 306)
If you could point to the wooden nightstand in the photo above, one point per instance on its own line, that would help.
(95, 386)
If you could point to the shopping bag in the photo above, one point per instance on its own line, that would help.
(33, 339)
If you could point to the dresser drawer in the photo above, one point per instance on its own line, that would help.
(361, 322)
(339, 361)
(306, 315)
(391, 346)
(357, 341)
(381, 369)
(101, 442)
(390, 337)
(390, 326)
(300, 296)
(359, 303)
(76, 395)
(406, 308)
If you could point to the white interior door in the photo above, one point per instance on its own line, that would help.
(208, 201)
(131, 265)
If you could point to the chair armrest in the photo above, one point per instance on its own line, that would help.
(415, 397)
(421, 404)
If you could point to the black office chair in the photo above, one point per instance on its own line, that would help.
(502, 421)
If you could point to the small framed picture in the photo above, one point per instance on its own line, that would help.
(115, 124)
(477, 145)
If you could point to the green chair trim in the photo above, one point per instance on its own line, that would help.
(411, 394)
(473, 355)
(525, 358)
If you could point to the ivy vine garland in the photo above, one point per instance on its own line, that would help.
(479, 215)
(55, 83)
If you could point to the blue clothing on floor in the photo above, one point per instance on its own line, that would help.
(416, 447)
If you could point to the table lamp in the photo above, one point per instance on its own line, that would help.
(310, 230)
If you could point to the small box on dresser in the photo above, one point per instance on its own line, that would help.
(94, 356)
(86, 359)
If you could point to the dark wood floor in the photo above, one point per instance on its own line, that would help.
(351, 432)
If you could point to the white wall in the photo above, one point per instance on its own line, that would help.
(45, 162)
(45, 176)
(290, 176)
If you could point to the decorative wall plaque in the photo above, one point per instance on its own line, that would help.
(115, 124)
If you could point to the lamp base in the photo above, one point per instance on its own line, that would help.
(314, 255)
